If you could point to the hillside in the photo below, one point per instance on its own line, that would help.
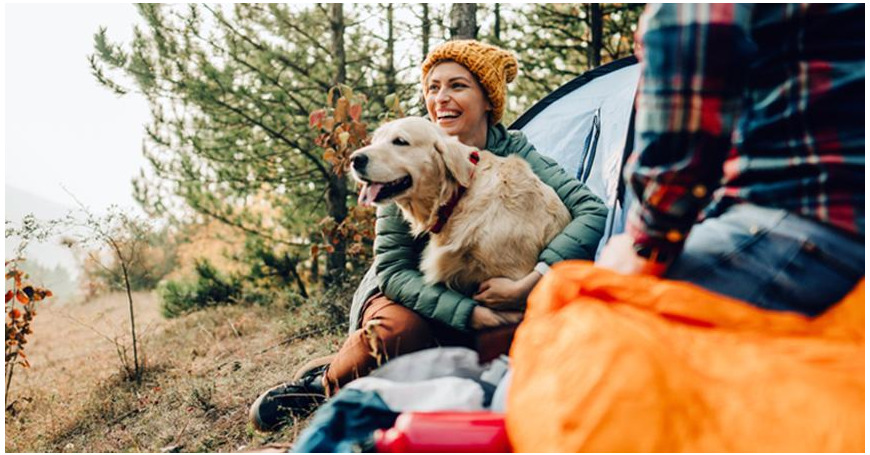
(203, 370)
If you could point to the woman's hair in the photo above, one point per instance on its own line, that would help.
(492, 67)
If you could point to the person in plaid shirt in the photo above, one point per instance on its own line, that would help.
(750, 134)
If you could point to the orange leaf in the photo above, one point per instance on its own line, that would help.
(8, 296)
(22, 297)
(341, 108)
(355, 111)
(48, 293)
(316, 117)
(328, 123)
(15, 313)
(329, 155)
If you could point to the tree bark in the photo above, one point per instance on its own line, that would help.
(136, 369)
(337, 24)
(497, 25)
(391, 68)
(336, 197)
(596, 27)
(427, 30)
(463, 21)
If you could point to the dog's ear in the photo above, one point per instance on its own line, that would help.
(455, 155)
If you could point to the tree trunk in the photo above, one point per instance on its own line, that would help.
(463, 21)
(391, 68)
(336, 197)
(497, 25)
(336, 205)
(136, 369)
(315, 264)
(427, 29)
(337, 23)
(596, 28)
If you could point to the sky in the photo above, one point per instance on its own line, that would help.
(62, 128)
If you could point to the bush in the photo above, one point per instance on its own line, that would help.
(211, 288)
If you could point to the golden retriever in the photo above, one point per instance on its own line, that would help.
(502, 214)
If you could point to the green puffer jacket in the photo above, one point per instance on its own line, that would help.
(397, 253)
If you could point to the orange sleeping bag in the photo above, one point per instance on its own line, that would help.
(609, 363)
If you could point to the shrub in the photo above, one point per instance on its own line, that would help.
(211, 288)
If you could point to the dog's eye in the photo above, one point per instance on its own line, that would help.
(400, 141)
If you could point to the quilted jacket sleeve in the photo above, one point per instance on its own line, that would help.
(397, 262)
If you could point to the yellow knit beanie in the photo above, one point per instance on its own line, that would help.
(493, 66)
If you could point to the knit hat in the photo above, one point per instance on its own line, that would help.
(493, 66)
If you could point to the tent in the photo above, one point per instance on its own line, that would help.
(586, 126)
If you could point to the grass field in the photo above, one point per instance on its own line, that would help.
(202, 371)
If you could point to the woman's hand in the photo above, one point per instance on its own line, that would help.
(505, 293)
(619, 255)
(485, 318)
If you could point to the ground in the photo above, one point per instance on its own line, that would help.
(201, 373)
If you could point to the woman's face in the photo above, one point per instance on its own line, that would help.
(456, 102)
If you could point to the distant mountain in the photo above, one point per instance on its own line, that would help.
(48, 254)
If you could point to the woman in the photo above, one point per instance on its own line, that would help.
(464, 86)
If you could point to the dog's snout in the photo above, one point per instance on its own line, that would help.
(359, 162)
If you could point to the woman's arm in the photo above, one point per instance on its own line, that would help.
(580, 238)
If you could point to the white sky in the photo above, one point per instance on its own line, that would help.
(61, 126)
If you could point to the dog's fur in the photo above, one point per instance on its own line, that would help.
(498, 228)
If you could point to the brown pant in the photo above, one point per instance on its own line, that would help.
(389, 329)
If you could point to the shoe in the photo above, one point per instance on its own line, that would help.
(297, 398)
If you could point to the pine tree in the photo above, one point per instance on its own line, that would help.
(230, 90)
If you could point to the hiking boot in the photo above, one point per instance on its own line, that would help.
(297, 398)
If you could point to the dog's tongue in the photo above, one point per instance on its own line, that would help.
(368, 193)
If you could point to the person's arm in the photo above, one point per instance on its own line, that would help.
(693, 63)
(580, 238)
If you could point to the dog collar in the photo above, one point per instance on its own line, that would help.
(446, 210)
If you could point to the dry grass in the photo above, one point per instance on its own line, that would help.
(202, 372)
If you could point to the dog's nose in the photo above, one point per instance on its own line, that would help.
(359, 162)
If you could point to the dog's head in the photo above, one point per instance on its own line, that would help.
(410, 159)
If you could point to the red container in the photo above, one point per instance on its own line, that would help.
(439, 432)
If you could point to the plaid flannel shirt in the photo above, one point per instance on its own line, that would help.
(754, 103)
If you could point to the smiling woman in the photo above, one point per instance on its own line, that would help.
(396, 309)
(457, 103)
